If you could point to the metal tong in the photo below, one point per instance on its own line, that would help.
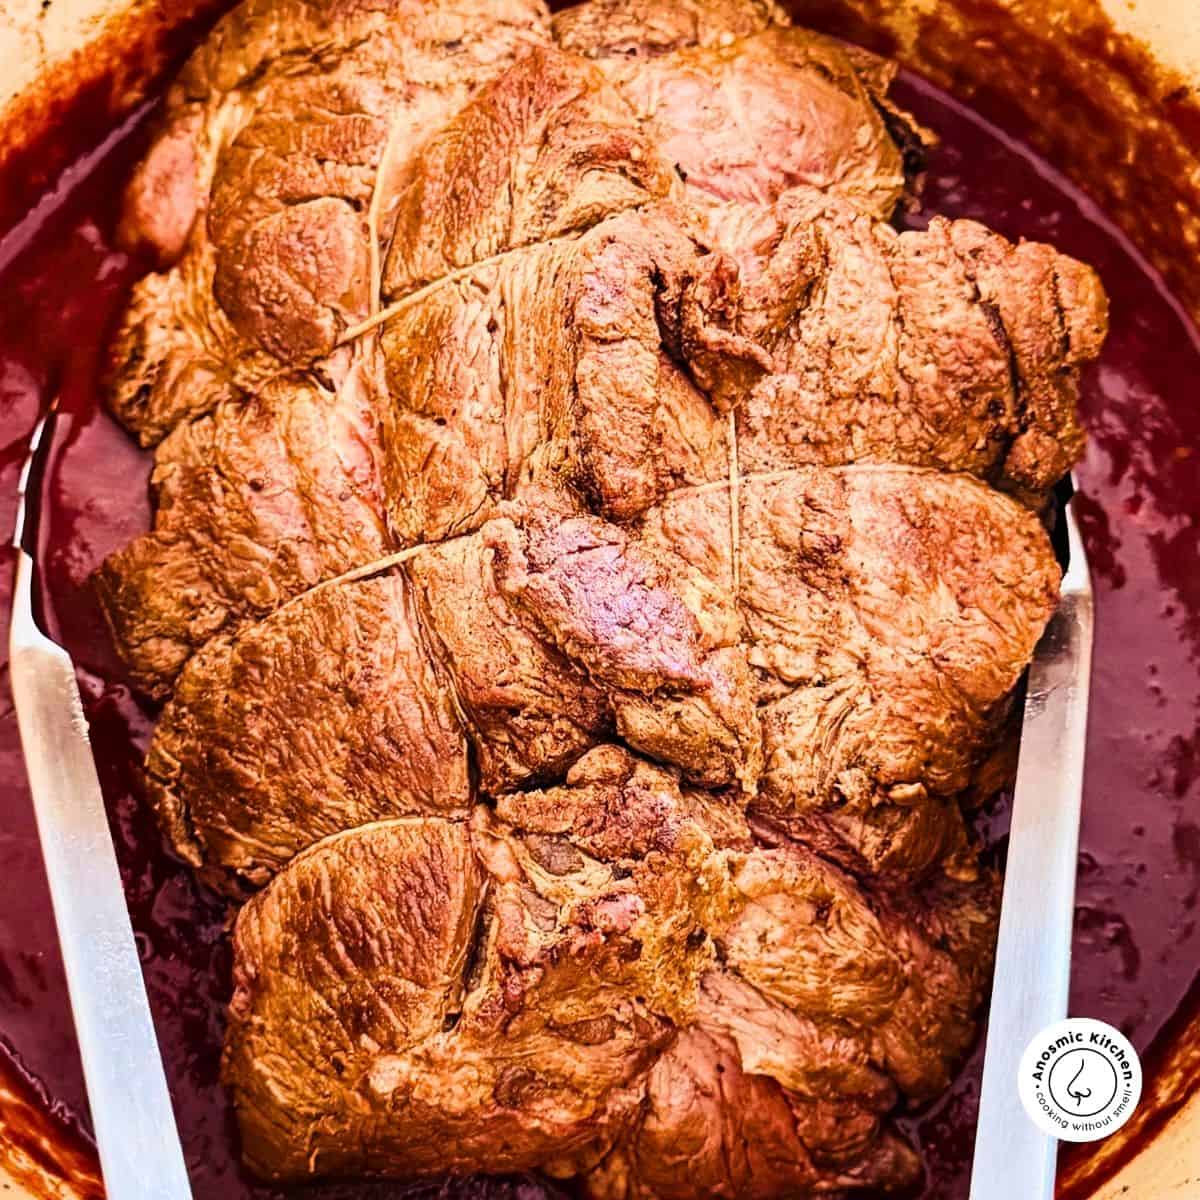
(140, 1152)
(1013, 1158)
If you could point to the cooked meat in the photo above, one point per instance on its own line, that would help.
(545, 150)
(547, 368)
(812, 1057)
(532, 709)
(768, 1095)
(851, 683)
(328, 715)
(256, 503)
(355, 702)
(888, 612)
(284, 142)
(638, 29)
(632, 628)
(839, 342)
(419, 995)
(748, 118)
(594, 555)
(763, 1098)
(912, 347)
(808, 939)
(711, 1128)
(281, 223)
(548, 293)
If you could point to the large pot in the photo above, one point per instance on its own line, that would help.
(1103, 88)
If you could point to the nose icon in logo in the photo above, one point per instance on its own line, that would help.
(1083, 1082)
(1078, 1094)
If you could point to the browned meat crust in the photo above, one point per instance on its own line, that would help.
(369, 730)
(594, 553)
(255, 503)
(601, 367)
(514, 1002)
(535, 978)
(850, 685)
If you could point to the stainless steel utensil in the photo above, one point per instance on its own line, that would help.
(1013, 1158)
(140, 1153)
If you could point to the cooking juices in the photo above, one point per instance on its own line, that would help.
(62, 283)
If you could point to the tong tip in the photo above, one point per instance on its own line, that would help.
(1077, 579)
(37, 439)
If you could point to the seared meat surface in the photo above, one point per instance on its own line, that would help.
(887, 612)
(511, 1017)
(593, 556)
(847, 690)
(257, 502)
(369, 729)
(422, 995)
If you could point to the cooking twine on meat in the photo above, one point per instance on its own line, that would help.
(375, 567)
(373, 212)
(381, 315)
(731, 484)
(374, 241)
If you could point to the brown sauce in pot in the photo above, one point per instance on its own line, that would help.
(61, 285)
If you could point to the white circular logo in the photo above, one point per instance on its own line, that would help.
(1080, 1080)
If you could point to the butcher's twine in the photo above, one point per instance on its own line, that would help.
(380, 314)
(732, 484)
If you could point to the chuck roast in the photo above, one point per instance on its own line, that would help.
(593, 555)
